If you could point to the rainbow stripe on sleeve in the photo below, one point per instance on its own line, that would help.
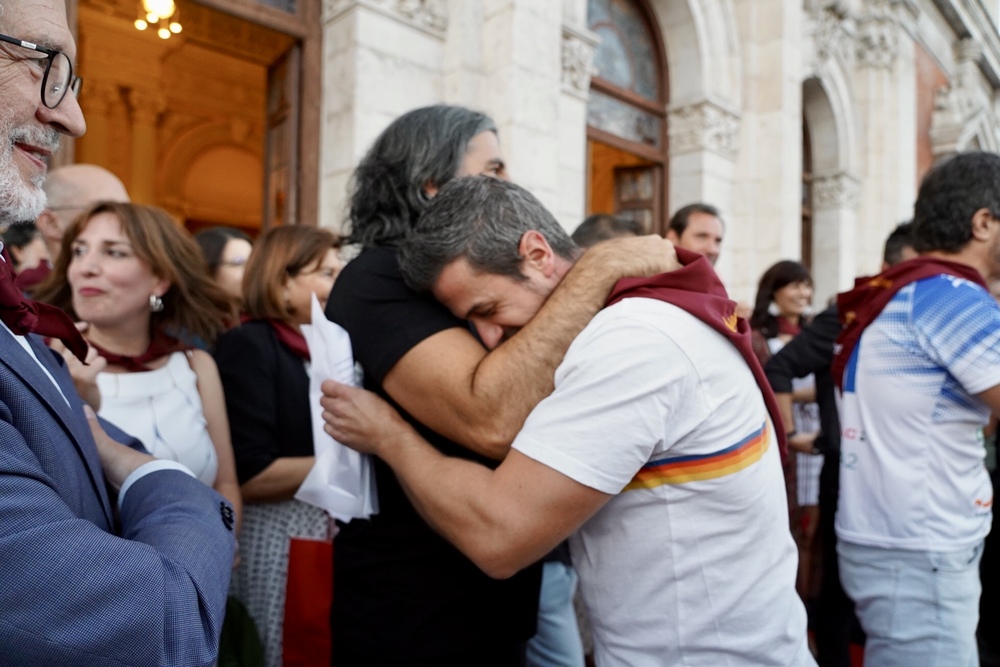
(696, 468)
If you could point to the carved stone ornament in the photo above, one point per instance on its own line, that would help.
(577, 60)
(840, 190)
(429, 14)
(963, 109)
(834, 37)
(877, 42)
(703, 126)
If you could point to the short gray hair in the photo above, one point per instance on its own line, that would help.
(481, 219)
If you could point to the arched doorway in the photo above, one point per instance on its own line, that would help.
(626, 118)
(208, 122)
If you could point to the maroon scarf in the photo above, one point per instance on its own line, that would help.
(290, 337)
(696, 289)
(859, 307)
(28, 278)
(789, 328)
(160, 346)
(24, 316)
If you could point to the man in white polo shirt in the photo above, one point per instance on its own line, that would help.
(655, 453)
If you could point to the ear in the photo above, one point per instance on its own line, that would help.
(161, 287)
(982, 230)
(48, 225)
(430, 189)
(672, 237)
(536, 253)
(15, 254)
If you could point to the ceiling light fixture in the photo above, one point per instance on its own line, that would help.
(161, 15)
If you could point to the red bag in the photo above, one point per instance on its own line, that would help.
(309, 594)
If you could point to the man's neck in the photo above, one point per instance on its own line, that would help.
(966, 256)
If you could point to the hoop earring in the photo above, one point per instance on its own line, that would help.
(155, 303)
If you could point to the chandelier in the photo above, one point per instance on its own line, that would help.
(162, 15)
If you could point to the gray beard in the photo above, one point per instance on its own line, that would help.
(20, 201)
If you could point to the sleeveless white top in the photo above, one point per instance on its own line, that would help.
(163, 409)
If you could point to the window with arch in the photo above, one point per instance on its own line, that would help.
(626, 113)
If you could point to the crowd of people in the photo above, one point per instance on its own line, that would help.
(583, 449)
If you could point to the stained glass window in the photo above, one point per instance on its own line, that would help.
(283, 5)
(623, 120)
(626, 56)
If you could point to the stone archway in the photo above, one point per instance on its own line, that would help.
(200, 150)
(835, 190)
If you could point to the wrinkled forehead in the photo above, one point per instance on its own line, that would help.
(42, 22)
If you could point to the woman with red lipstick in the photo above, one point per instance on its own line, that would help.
(139, 282)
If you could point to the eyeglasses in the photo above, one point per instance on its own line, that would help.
(58, 78)
(235, 261)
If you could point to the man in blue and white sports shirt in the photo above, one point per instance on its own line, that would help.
(919, 371)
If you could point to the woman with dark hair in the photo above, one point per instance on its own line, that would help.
(784, 298)
(226, 251)
(139, 282)
(268, 407)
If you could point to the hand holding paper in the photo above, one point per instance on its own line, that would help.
(342, 481)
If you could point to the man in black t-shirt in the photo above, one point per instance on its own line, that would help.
(403, 595)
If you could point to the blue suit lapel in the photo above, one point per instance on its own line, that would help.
(69, 415)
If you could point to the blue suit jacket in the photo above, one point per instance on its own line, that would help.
(77, 586)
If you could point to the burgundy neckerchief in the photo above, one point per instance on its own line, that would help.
(24, 316)
(160, 346)
(28, 278)
(290, 337)
(786, 328)
(859, 307)
(696, 289)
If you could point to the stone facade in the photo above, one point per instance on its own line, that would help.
(884, 88)
(743, 75)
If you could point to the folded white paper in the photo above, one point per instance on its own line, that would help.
(342, 481)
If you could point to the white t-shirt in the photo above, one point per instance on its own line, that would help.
(692, 561)
(912, 473)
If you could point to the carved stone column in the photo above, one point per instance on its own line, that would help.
(146, 107)
(885, 90)
(835, 200)
(100, 99)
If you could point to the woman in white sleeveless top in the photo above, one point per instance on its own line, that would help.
(138, 279)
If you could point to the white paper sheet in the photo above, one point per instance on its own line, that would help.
(342, 481)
